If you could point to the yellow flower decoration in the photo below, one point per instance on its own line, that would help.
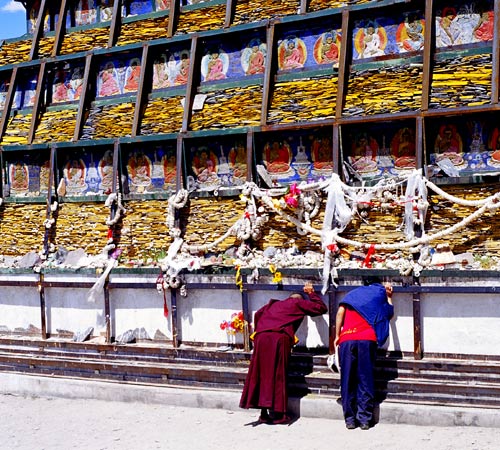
(276, 204)
(277, 277)
(239, 278)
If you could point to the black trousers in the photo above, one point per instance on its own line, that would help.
(357, 382)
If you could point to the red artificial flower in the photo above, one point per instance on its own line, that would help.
(294, 190)
(333, 247)
(291, 201)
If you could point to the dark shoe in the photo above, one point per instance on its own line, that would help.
(365, 426)
(264, 416)
(350, 426)
(284, 420)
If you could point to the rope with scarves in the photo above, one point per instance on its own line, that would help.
(342, 203)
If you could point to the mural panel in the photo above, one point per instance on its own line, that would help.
(309, 48)
(162, 5)
(463, 24)
(295, 156)
(465, 148)
(137, 7)
(388, 35)
(219, 165)
(117, 77)
(86, 12)
(26, 174)
(240, 57)
(377, 151)
(151, 169)
(171, 68)
(67, 83)
(24, 96)
(87, 172)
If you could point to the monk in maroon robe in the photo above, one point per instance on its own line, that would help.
(275, 325)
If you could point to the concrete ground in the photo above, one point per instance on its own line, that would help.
(46, 413)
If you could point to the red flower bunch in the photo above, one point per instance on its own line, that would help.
(235, 325)
(292, 198)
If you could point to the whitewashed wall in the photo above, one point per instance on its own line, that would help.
(19, 306)
(451, 323)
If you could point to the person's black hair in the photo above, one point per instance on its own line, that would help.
(371, 279)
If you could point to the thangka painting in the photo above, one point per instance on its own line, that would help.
(462, 24)
(253, 57)
(385, 150)
(24, 96)
(220, 165)
(137, 7)
(118, 77)
(466, 148)
(106, 10)
(87, 173)
(85, 12)
(171, 68)
(309, 48)
(388, 36)
(33, 16)
(162, 5)
(152, 169)
(27, 175)
(193, 2)
(236, 59)
(296, 157)
(4, 88)
(67, 83)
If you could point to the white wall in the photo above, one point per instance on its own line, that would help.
(451, 323)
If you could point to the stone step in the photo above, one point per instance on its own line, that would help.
(433, 381)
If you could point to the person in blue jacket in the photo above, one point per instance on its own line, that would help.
(362, 324)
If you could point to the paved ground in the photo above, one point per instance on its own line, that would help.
(30, 423)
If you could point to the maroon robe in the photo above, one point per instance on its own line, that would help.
(275, 327)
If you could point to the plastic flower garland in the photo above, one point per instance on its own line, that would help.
(235, 325)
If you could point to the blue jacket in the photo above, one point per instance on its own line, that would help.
(370, 302)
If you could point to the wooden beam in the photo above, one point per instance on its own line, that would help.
(173, 314)
(85, 96)
(173, 17)
(429, 38)
(178, 162)
(195, 61)
(246, 317)
(143, 90)
(116, 22)
(420, 146)
(40, 88)
(8, 102)
(50, 188)
(343, 70)
(336, 153)
(38, 33)
(61, 27)
(417, 323)
(303, 6)
(43, 312)
(268, 73)
(107, 311)
(250, 154)
(230, 10)
(332, 313)
(116, 160)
